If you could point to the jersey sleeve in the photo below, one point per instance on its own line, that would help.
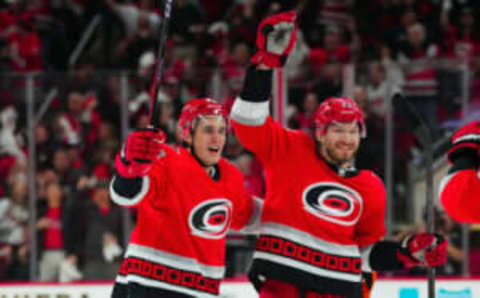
(459, 189)
(250, 117)
(130, 192)
(243, 205)
(459, 195)
(371, 226)
(257, 131)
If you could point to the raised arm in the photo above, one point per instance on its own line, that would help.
(276, 37)
(131, 183)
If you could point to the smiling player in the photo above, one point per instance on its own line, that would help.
(187, 199)
(322, 218)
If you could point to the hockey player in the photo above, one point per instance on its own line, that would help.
(187, 198)
(459, 191)
(322, 219)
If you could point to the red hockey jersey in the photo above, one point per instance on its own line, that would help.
(459, 195)
(178, 243)
(314, 220)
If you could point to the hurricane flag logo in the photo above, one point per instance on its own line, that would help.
(211, 219)
(333, 202)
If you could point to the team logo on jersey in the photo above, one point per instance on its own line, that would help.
(211, 219)
(333, 202)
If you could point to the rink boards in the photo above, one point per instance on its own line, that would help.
(391, 288)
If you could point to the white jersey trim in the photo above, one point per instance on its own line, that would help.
(444, 181)
(366, 258)
(124, 201)
(175, 261)
(305, 267)
(162, 285)
(121, 279)
(253, 226)
(250, 113)
(289, 233)
(470, 137)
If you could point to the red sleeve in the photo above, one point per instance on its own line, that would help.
(131, 192)
(269, 141)
(459, 195)
(242, 204)
(371, 226)
(157, 184)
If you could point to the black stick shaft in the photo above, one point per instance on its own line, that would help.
(426, 140)
(155, 106)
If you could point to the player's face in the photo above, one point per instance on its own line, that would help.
(209, 139)
(340, 142)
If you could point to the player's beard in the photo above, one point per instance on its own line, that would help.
(340, 160)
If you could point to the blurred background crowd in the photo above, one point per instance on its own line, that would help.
(88, 65)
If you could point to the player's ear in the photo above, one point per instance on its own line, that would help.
(318, 134)
(188, 138)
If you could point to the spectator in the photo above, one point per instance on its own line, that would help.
(81, 122)
(189, 21)
(103, 234)
(398, 35)
(461, 43)
(242, 19)
(25, 47)
(233, 69)
(335, 12)
(62, 166)
(10, 150)
(45, 177)
(416, 56)
(17, 220)
(132, 16)
(254, 182)
(377, 89)
(329, 82)
(305, 117)
(333, 50)
(51, 237)
(44, 144)
(135, 44)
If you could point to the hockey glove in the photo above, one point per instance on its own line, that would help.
(276, 37)
(423, 249)
(465, 140)
(142, 147)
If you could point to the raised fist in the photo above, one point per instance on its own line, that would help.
(276, 37)
(142, 147)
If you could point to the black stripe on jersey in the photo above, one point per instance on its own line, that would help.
(135, 290)
(384, 256)
(301, 253)
(262, 269)
(466, 160)
(127, 187)
(169, 275)
(257, 86)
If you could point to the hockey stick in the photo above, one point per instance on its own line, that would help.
(426, 139)
(154, 111)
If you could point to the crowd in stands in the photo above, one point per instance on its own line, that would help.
(418, 47)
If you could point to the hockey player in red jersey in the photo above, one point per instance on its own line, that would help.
(322, 219)
(459, 191)
(187, 198)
